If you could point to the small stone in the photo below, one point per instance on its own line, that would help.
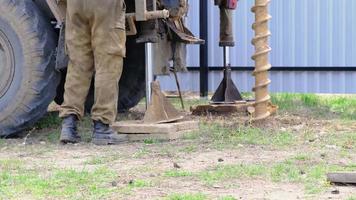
(312, 140)
(43, 142)
(220, 160)
(336, 191)
(114, 184)
(175, 165)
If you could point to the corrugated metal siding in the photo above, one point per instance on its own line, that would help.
(315, 33)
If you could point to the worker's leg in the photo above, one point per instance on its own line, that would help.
(81, 61)
(108, 39)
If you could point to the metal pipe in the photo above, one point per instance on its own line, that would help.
(261, 58)
(149, 72)
(204, 68)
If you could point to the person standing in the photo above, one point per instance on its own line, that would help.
(95, 40)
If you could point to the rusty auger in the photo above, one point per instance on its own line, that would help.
(261, 59)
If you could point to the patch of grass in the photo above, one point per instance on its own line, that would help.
(85, 128)
(198, 196)
(342, 140)
(150, 141)
(193, 135)
(189, 149)
(312, 175)
(233, 136)
(177, 173)
(228, 198)
(324, 106)
(135, 184)
(58, 183)
(51, 120)
(352, 198)
(2, 142)
(10, 164)
(53, 136)
(99, 160)
(141, 152)
(302, 157)
(226, 172)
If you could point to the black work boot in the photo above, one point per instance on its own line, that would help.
(105, 135)
(69, 133)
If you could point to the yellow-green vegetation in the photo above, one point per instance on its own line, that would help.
(197, 196)
(99, 160)
(223, 136)
(308, 172)
(135, 184)
(177, 173)
(228, 198)
(19, 181)
(326, 106)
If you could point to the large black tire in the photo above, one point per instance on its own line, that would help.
(28, 79)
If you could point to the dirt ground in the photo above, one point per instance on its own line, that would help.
(286, 157)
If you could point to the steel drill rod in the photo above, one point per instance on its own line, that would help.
(178, 87)
(149, 72)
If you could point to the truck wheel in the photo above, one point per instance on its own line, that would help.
(28, 80)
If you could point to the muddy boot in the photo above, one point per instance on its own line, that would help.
(69, 133)
(105, 135)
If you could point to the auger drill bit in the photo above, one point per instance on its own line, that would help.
(227, 92)
(262, 64)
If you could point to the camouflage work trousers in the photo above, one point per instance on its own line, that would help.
(95, 40)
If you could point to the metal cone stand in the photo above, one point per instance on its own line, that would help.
(159, 109)
(227, 92)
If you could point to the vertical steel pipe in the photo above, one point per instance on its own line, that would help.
(261, 58)
(204, 51)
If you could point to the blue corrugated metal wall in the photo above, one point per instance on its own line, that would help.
(306, 33)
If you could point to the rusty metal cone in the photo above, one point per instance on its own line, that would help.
(160, 110)
(227, 92)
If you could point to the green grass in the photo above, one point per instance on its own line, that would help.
(312, 175)
(177, 173)
(2, 142)
(18, 181)
(198, 196)
(141, 152)
(227, 198)
(343, 140)
(135, 184)
(228, 172)
(352, 198)
(225, 137)
(322, 106)
(100, 160)
(51, 120)
(53, 136)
